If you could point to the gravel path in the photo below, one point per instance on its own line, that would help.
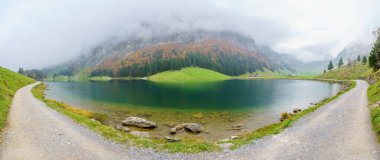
(339, 130)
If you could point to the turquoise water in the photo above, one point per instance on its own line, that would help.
(213, 96)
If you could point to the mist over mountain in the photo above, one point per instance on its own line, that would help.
(114, 55)
(352, 51)
(39, 34)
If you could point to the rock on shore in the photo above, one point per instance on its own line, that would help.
(138, 122)
(193, 127)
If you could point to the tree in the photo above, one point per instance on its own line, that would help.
(359, 58)
(364, 60)
(34, 73)
(21, 71)
(340, 63)
(372, 61)
(374, 56)
(330, 66)
(324, 71)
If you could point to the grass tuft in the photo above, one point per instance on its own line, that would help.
(285, 116)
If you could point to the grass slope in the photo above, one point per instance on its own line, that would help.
(373, 94)
(189, 74)
(347, 72)
(10, 82)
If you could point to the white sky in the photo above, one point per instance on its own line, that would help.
(39, 33)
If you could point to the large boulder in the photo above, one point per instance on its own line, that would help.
(138, 122)
(193, 127)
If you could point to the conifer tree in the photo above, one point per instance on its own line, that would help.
(340, 63)
(330, 66)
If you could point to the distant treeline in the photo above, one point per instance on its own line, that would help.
(67, 72)
(32, 73)
(101, 72)
(229, 64)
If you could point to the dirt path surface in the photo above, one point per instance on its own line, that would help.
(35, 131)
(338, 130)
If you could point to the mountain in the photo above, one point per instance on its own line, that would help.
(214, 54)
(225, 51)
(352, 51)
(286, 61)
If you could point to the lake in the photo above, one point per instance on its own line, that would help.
(251, 103)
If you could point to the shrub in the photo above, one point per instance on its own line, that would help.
(285, 115)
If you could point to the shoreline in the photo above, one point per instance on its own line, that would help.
(241, 137)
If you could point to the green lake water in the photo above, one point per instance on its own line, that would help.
(253, 103)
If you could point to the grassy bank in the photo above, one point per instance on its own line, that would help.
(85, 117)
(189, 74)
(358, 71)
(276, 128)
(373, 94)
(10, 82)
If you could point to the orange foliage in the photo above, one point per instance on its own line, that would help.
(211, 47)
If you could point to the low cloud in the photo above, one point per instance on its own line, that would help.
(39, 33)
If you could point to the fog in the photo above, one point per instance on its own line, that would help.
(41, 33)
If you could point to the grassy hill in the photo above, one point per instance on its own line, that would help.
(10, 82)
(189, 74)
(359, 71)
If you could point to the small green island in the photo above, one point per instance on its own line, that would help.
(189, 74)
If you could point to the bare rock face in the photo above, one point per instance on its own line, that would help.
(193, 127)
(138, 122)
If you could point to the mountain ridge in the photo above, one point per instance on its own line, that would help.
(121, 49)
